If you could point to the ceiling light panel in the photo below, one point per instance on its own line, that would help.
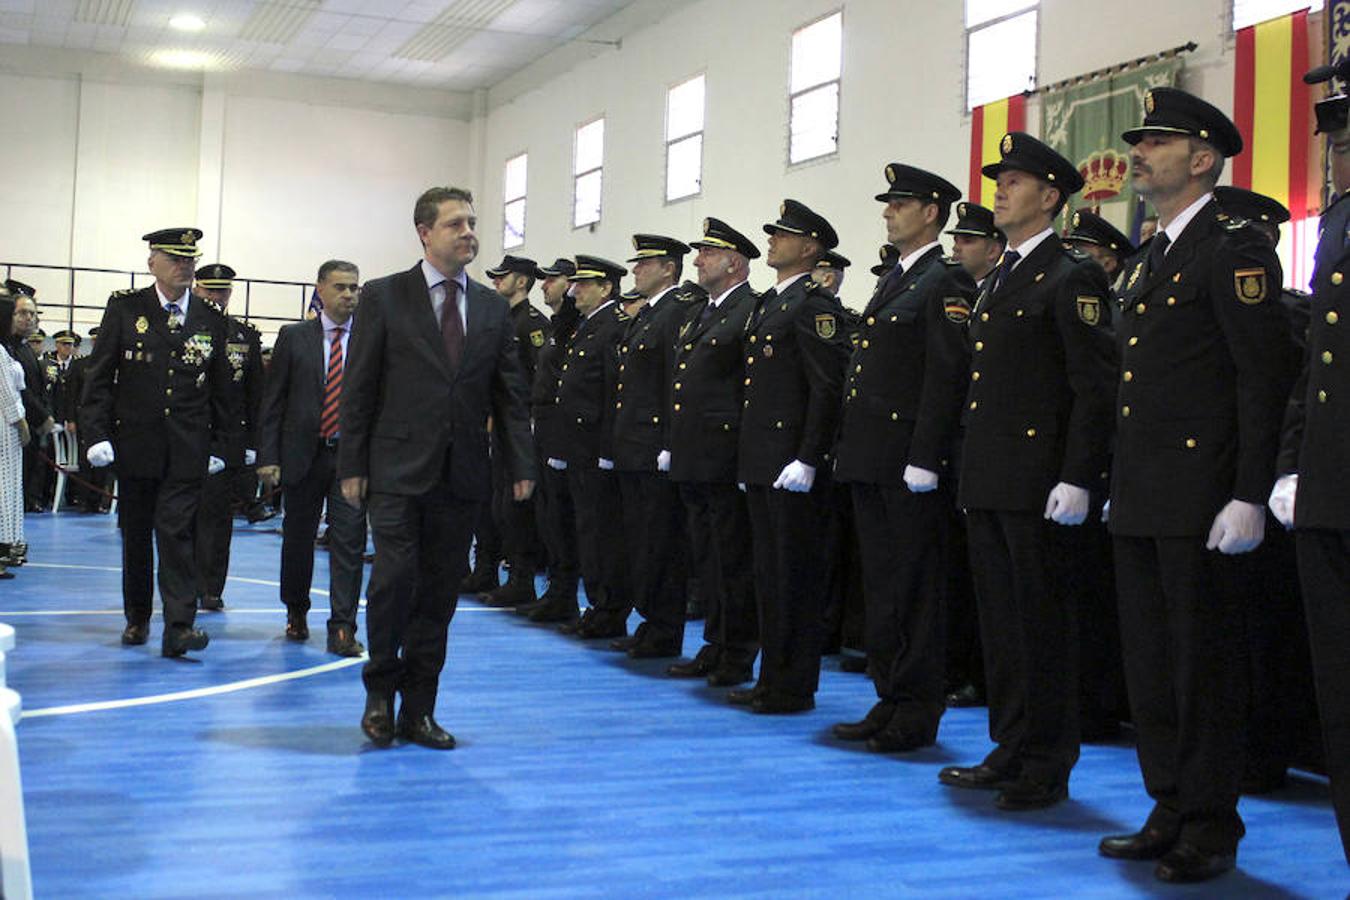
(278, 21)
(104, 12)
(451, 28)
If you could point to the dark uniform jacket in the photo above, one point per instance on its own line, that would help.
(710, 371)
(243, 350)
(644, 387)
(548, 369)
(1317, 423)
(35, 407)
(795, 350)
(161, 397)
(1206, 366)
(1038, 409)
(586, 387)
(532, 330)
(408, 420)
(907, 376)
(61, 385)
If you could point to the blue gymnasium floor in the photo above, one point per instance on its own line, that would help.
(579, 773)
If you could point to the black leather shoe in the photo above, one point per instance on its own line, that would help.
(378, 720)
(854, 664)
(774, 704)
(700, 666)
(1256, 782)
(877, 718)
(746, 696)
(694, 609)
(424, 731)
(516, 592)
(555, 609)
(211, 604)
(651, 647)
(982, 777)
(626, 643)
(603, 625)
(180, 640)
(899, 739)
(964, 696)
(342, 642)
(481, 580)
(1024, 795)
(1147, 843)
(296, 628)
(1186, 863)
(135, 634)
(729, 676)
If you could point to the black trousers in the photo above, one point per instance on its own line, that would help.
(304, 502)
(215, 528)
(1184, 633)
(718, 523)
(845, 609)
(36, 471)
(1030, 645)
(1085, 570)
(789, 579)
(557, 527)
(515, 521)
(1324, 571)
(965, 655)
(901, 535)
(421, 555)
(161, 515)
(599, 516)
(654, 542)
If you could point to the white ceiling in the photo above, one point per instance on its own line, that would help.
(458, 45)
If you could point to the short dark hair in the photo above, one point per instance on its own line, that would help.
(1059, 204)
(944, 213)
(336, 265)
(429, 204)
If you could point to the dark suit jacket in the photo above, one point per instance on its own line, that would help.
(1038, 408)
(407, 420)
(1206, 372)
(292, 401)
(907, 376)
(710, 371)
(586, 388)
(162, 398)
(795, 350)
(643, 397)
(35, 407)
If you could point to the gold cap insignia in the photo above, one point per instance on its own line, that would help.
(1076, 220)
(706, 226)
(1148, 103)
(188, 240)
(890, 174)
(782, 209)
(1006, 146)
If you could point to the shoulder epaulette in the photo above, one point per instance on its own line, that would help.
(124, 292)
(1075, 254)
(1231, 223)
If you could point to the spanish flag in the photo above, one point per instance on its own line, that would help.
(1272, 107)
(988, 124)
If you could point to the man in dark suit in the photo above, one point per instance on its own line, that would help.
(215, 512)
(1037, 427)
(653, 528)
(1205, 354)
(298, 449)
(36, 408)
(156, 400)
(704, 433)
(902, 405)
(795, 351)
(585, 401)
(432, 358)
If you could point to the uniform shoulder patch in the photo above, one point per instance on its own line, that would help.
(537, 337)
(1089, 310)
(957, 309)
(1251, 285)
(826, 326)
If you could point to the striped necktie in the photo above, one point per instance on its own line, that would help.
(175, 316)
(332, 387)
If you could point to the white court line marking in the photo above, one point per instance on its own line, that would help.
(229, 688)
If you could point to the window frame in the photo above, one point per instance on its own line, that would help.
(837, 83)
(522, 198)
(700, 133)
(577, 176)
(1036, 10)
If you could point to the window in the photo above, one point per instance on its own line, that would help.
(684, 139)
(513, 196)
(588, 158)
(1000, 49)
(817, 62)
(1253, 12)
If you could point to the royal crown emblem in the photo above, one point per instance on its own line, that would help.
(1006, 146)
(1148, 103)
(706, 226)
(890, 174)
(1104, 174)
(188, 239)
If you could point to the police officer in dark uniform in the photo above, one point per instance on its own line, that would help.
(35, 405)
(59, 370)
(157, 401)
(1205, 357)
(977, 243)
(1037, 428)
(514, 278)
(220, 492)
(902, 407)
(1099, 239)
(585, 400)
(1312, 494)
(554, 511)
(795, 351)
(653, 530)
(94, 494)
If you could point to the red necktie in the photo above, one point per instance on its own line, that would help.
(452, 327)
(332, 388)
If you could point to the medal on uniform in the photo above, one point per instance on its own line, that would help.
(768, 350)
(1134, 276)
(142, 325)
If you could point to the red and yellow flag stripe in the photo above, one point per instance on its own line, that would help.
(1272, 107)
(988, 124)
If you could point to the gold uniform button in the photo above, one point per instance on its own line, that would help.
(726, 426)
(1171, 301)
(1327, 357)
(620, 385)
(858, 368)
(1332, 318)
(1128, 376)
(747, 382)
(871, 320)
(752, 338)
(618, 405)
(656, 420)
(895, 417)
(677, 407)
(168, 392)
(853, 393)
(749, 360)
(625, 350)
(1337, 277)
(1031, 432)
(777, 424)
(677, 385)
(1139, 308)
(564, 368)
(1321, 398)
(1125, 411)
(984, 317)
(581, 353)
(166, 410)
(979, 345)
(1133, 341)
(974, 376)
(1019, 314)
(1190, 443)
(683, 366)
(974, 403)
(688, 347)
(865, 345)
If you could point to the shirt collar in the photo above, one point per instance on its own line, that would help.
(330, 325)
(596, 311)
(1178, 225)
(722, 296)
(1025, 249)
(435, 279)
(907, 261)
(652, 301)
(181, 301)
(788, 282)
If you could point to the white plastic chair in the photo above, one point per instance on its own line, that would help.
(66, 450)
(16, 879)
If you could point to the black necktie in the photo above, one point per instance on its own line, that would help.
(1157, 250)
(1005, 266)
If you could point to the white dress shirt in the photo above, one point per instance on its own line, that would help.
(436, 288)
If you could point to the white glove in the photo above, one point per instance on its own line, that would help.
(1238, 528)
(100, 455)
(920, 481)
(250, 457)
(606, 464)
(797, 477)
(1106, 511)
(214, 464)
(555, 464)
(741, 485)
(663, 461)
(1281, 500)
(1067, 504)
